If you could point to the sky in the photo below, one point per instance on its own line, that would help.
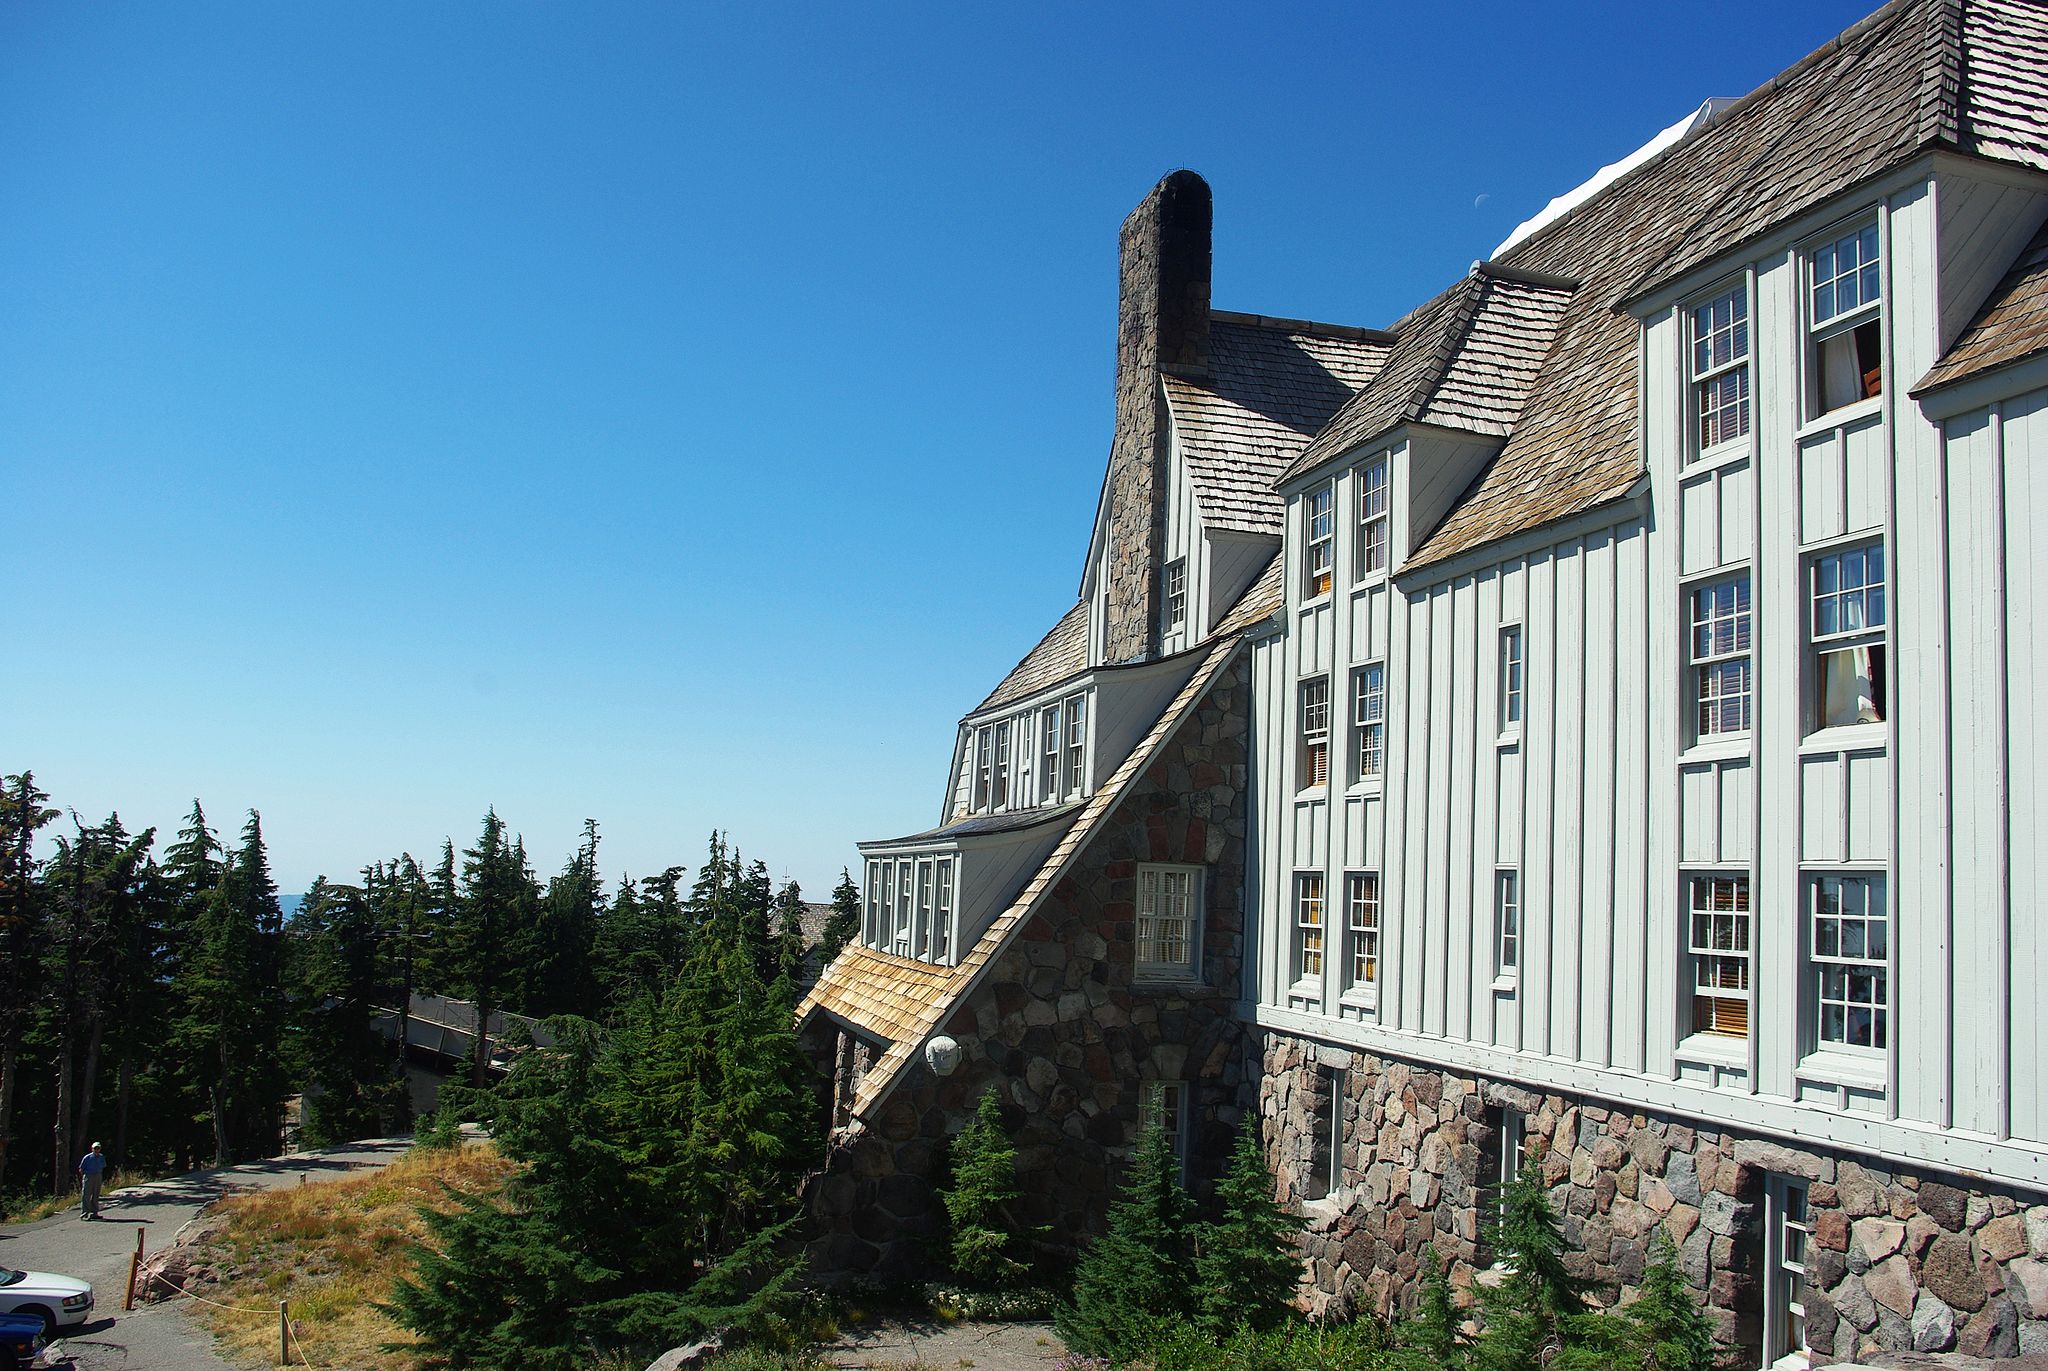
(676, 415)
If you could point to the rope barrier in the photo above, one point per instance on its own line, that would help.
(290, 1328)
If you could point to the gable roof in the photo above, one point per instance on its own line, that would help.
(1967, 74)
(1270, 385)
(1465, 360)
(1059, 654)
(2011, 327)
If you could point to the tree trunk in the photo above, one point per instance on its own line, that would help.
(480, 1043)
(60, 1131)
(8, 1054)
(123, 1094)
(89, 1080)
(217, 1095)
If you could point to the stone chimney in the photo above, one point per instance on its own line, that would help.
(1162, 325)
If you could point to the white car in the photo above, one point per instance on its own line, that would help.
(59, 1301)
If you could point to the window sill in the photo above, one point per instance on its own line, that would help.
(1509, 737)
(1846, 738)
(1314, 794)
(1715, 1049)
(1167, 978)
(1840, 418)
(1368, 580)
(1506, 983)
(1852, 1069)
(1733, 453)
(1720, 747)
(1315, 602)
(1307, 988)
(1361, 998)
(1371, 785)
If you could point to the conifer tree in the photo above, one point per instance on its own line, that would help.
(561, 972)
(984, 1236)
(1248, 1267)
(24, 913)
(350, 1083)
(789, 933)
(844, 925)
(1433, 1339)
(1664, 1329)
(1138, 1277)
(1526, 1313)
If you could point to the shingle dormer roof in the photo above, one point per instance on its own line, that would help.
(1465, 360)
(1270, 385)
(1964, 74)
(2011, 327)
(1061, 653)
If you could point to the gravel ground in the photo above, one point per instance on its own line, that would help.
(949, 1347)
(158, 1337)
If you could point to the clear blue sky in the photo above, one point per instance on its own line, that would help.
(672, 414)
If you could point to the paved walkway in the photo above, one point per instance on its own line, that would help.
(158, 1337)
(982, 1346)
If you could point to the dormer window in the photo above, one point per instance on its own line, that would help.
(1176, 610)
(1845, 283)
(1372, 517)
(1720, 370)
(1319, 554)
(1077, 745)
(1049, 754)
(999, 796)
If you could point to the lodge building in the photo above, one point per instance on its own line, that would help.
(1588, 711)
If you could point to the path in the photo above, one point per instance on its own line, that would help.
(981, 1346)
(158, 1337)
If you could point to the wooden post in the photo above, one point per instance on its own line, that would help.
(134, 1265)
(284, 1335)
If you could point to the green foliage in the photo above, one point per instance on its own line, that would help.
(1432, 1338)
(1293, 1344)
(1138, 1280)
(1663, 1330)
(1247, 1267)
(844, 925)
(1527, 1313)
(984, 1237)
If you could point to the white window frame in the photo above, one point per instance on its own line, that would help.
(942, 911)
(1507, 926)
(1787, 1234)
(1319, 541)
(1166, 1103)
(1074, 765)
(1829, 638)
(1049, 750)
(1368, 722)
(1155, 906)
(1175, 596)
(1362, 925)
(1721, 673)
(1326, 1161)
(1374, 545)
(984, 769)
(903, 940)
(1828, 322)
(1834, 926)
(871, 931)
(1513, 679)
(1720, 943)
(999, 793)
(1513, 1140)
(1311, 929)
(1717, 356)
(1313, 756)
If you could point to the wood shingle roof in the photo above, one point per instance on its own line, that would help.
(2011, 327)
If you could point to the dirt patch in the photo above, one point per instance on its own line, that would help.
(948, 1347)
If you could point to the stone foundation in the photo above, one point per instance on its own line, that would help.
(1899, 1259)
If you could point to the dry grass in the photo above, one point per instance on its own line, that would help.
(331, 1250)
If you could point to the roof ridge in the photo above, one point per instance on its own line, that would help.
(1275, 322)
(1941, 75)
(1449, 343)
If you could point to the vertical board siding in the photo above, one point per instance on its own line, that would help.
(2025, 501)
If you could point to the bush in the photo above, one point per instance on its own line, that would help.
(984, 1167)
(1136, 1283)
(1247, 1263)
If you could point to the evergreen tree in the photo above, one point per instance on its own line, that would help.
(562, 969)
(483, 933)
(24, 913)
(789, 935)
(1248, 1266)
(1527, 1313)
(983, 1186)
(1433, 1339)
(351, 1086)
(1663, 1330)
(1138, 1278)
(844, 925)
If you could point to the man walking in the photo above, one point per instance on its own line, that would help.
(90, 1168)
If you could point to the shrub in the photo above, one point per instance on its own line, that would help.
(1247, 1267)
(1136, 1281)
(984, 1167)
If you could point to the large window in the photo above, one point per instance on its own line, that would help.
(1848, 623)
(1315, 732)
(1319, 552)
(1507, 922)
(1720, 369)
(1851, 946)
(1720, 656)
(1308, 925)
(1169, 921)
(1511, 678)
(1176, 594)
(1718, 939)
(910, 906)
(1372, 518)
(1845, 283)
(1368, 721)
(1362, 928)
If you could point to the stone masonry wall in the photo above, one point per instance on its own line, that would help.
(1162, 320)
(1064, 1033)
(1899, 1259)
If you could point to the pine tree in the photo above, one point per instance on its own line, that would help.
(844, 925)
(562, 971)
(1248, 1266)
(1433, 1338)
(1138, 1277)
(1526, 1313)
(789, 933)
(983, 1186)
(24, 913)
(1664, 1329)
(351, 1086)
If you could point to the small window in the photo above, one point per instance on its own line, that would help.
(1785, 1271)
(999, 794)
(1319, 555)
(1720, 656)
(1848, 341)
(1512, 1141)
(1507, 923)
(942, 913)
(906, 896)
(1077, 746)
(1326, 1165)
(1372, 518)
(1720, 369)
(1308, 925)
(1851, 951)
(1718, 939)
(1368, 721)
(1169, 921)
(1848, 627)
(922, 934)
(1166, 1104)
(1049, 754)
(1176, 594)
(1362, 927)
(1511, 678)
(885, 926)
(1315, 732)
(878, 904)
(984, 766)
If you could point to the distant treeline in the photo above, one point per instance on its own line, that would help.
(157, 999)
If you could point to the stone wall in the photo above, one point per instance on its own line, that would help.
(1898, 1259)
(1066, 1035)
(1162, 321)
